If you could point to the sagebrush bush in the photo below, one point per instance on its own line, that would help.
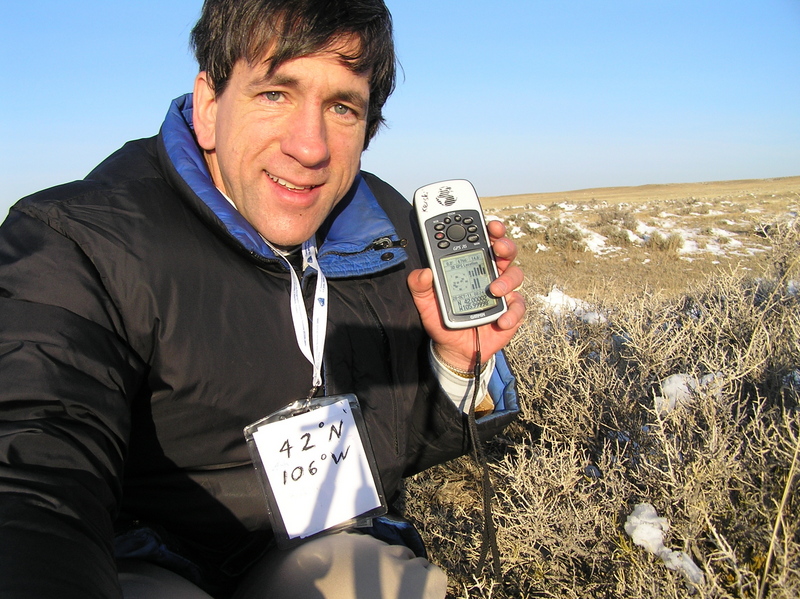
(590, 445)
(665, 243)
(618, 216)
(563, 234)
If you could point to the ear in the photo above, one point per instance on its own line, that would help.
(204, 112)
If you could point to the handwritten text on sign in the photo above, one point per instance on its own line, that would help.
(317, 468)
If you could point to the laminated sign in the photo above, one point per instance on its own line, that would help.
(316, 467)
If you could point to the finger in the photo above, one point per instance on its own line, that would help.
(510, 279)
(515, 314)
(502, 246)
(496, 229)
(505, 249)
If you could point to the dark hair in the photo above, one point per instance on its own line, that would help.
(229, 30)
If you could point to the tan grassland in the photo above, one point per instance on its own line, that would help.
(714, 190)
(696, 280)
(707, 216)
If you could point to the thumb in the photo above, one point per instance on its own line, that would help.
(420, 283)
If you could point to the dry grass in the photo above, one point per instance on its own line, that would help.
(590, 445)
(663, 237)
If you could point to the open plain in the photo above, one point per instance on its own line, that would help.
(617, 239)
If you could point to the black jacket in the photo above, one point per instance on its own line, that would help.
(142, 327)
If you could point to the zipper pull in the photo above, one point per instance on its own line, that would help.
(383, 243)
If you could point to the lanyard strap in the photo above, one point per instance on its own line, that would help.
(312, 343)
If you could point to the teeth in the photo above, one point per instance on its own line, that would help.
(288, 185)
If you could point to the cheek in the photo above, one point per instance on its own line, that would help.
(350, 153)
(240, 139)
(240, 158)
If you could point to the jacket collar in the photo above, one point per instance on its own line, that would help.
(357, 234)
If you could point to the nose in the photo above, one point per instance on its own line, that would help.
(306, 136)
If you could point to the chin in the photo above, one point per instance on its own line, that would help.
(290, 232)
(283, 242)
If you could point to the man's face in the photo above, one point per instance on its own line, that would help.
(285, 147)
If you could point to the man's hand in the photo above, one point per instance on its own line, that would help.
(457, 347)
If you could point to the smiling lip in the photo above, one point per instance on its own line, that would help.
(290, 186)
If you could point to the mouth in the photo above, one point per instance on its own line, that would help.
(290, 186)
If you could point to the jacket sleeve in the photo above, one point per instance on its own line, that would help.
(66, 379)
(441, 429)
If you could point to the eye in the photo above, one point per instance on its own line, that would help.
(342, 109)
(273, 96)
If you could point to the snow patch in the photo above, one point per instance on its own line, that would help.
(558, 303)
(646, 529)
(681, 389)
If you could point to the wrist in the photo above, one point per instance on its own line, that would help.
(455, 363)
(460, 384)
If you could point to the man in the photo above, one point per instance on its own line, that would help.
(147, 316)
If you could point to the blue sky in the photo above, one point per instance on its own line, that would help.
(517, 96)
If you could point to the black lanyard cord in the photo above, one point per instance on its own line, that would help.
(489, 535)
